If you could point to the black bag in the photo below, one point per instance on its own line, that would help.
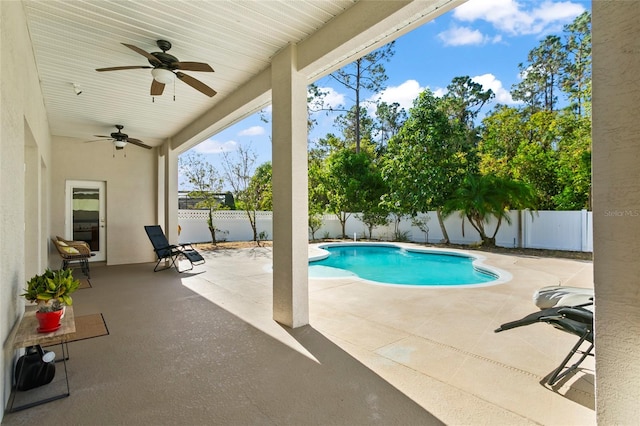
(32, 371)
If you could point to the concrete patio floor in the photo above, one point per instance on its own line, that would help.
(201, 348)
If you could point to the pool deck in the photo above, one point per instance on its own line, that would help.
(437, 345)
(201, 347)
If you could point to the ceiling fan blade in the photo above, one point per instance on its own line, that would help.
(147, 55)
(101, 136)
(156, 88)
(132, 67)
(100, 140)
(192, 66)
(196, 84)
(138, 142)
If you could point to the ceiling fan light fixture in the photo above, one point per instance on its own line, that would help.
(120, 144)
(162, 75)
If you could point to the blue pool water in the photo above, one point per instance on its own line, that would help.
(395, 265)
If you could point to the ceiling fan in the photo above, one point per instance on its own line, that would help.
(166, 67)
(120, 139)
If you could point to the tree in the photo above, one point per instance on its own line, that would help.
(318, 199)
(464, 100)
(501, 134)
(347, 182)
(574, 163)
(357, 127)
(390, 118)
(373, 186)
(374, 217)
(550, 151)
(576, 79)
(541, 76)
(365, 73)
(426, 161)
(205, 182)
(261, 188)
(315, 223)
(238, 173)
(481, 197)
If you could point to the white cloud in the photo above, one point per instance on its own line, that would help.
(462, 36)
(211, 146)
(332, 99)
(515, 19)
(439, 92)
(489, 81)
(404, 94)
(252, 131)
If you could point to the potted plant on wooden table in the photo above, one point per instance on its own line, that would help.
(51, 291)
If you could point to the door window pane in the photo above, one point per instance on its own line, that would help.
(86, 216)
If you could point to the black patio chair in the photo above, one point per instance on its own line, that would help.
(170, 252)
(576, 320)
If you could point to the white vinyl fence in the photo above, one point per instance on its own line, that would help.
(554, 230)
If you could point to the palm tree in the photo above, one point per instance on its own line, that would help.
(481, 197)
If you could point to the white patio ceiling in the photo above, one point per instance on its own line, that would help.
(237, 38)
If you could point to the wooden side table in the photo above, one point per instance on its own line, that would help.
(27, 335)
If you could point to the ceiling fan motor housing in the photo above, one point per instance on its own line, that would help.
(165, 59)
(119, 136)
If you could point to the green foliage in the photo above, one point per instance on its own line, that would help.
(374, 217)
(576, 80)
(206, 183)
(420, 161)
(315, 223)
(260, 187)
(390, 120)
(464, 100)
(481, 197)
(51, 290)
(252, 188)
(350, 181)
(427, 160)
(574, 164)
(551, 151)
(364, 74)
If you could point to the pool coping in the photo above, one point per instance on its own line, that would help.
(317, 252)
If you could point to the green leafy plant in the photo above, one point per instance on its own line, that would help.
(51, 290)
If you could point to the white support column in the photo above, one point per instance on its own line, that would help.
(168, 193)
(616, 210)
(290, 191)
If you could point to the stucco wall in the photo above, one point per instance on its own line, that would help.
(616, 188)
(131, 188)
(24, 147)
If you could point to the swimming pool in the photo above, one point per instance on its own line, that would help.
(392, 264)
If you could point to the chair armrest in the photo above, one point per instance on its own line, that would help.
(581, 315)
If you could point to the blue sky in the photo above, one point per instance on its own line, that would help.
(483, 39)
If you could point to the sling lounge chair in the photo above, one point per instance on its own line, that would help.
(574, 319)
(170, 252)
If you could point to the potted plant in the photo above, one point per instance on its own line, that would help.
(51, 291)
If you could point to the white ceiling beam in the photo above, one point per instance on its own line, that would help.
(366, 26)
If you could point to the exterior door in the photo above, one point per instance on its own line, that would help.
(85, 218)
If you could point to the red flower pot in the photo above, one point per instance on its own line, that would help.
(49, 321)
